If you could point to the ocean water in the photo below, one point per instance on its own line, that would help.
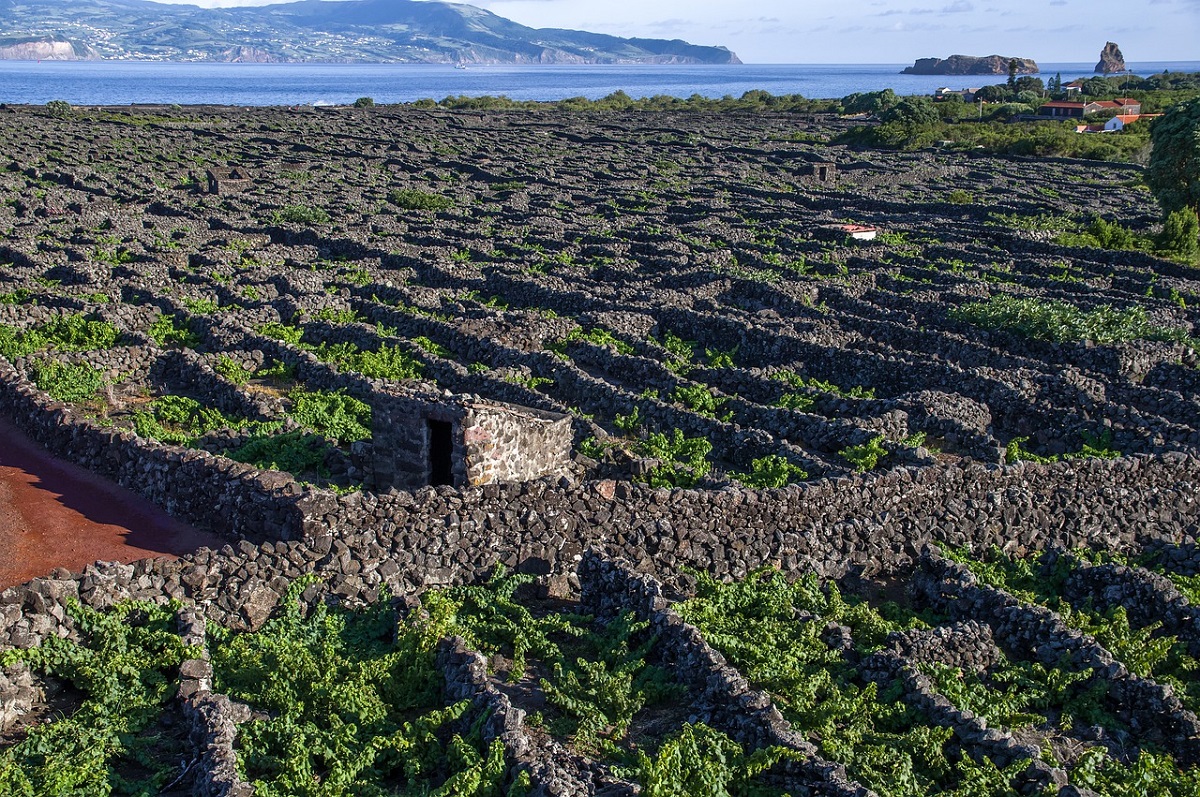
(123, 83)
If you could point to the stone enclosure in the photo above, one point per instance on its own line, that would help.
(586, 283)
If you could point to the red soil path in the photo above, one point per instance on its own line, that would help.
(55, 514)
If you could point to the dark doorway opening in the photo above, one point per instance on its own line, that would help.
(441, 449)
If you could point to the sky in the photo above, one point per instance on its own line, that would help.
(877, 31)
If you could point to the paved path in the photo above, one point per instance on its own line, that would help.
(54, 514)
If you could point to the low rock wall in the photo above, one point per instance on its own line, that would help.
(435, 536)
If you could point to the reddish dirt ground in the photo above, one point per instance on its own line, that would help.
(54, 514)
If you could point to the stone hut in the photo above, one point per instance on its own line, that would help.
(823, 172)
(464, 441)
(227, 181)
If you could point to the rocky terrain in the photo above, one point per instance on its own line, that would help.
(748, 386)
(374, 31)
(971, 65)
(1111, 61)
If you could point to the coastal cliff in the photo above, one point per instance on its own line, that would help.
(971, 65)
(43, 50)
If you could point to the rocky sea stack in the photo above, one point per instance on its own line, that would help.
(971, 65)
(1111, 60)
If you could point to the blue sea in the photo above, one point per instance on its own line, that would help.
(123, 83)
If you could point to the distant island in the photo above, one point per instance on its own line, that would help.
(971, 65)
(387, 31)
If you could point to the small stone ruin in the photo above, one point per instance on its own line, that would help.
(823, 172)
(464, 441)
(227, 181)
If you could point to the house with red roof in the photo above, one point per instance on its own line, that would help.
(1119, 121)
(1067, 109)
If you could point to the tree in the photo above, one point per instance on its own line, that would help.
(60, 109)
(995, 93)
(875, 102)
(912, 111)
(1030, 83)
(1181, 234)
(1173, 173)
(1012, 75)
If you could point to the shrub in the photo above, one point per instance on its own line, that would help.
(601, 337)
(364, 102)
(232, 370)
(771, 471)
(865, 457)
(1062, 322)
(299, 214)
(164, 331)
(282, 332)
(66, 333)
(295, 452)
(354, 696)
(684, 460)
(124, 665)
(1173, 173)
(60, 109)
(65, 382)
(700, 400)
(336, 415)
(412, 199)
(1181, 234)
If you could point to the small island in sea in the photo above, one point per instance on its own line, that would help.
(971, 65)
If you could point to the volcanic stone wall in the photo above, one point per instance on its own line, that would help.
(408, 540)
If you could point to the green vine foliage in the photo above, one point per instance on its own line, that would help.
(490, 619)
(1062, 322)
(232, 370)
(332, 414)
(66, 381)
(167, 331)
(1098, 446)
(772, 632)
(700, 400)
(1145, 650)
(1070, 698)
(180, 420)
(599, 678)
(683, 460)
(771, 471)
(602, 690)
(704, 761)
(354, 705)
(822, 386)
(69, 333)
(296, 452)
(866, 456)
(125, 666)
(1026, 694)
(1147, 774)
